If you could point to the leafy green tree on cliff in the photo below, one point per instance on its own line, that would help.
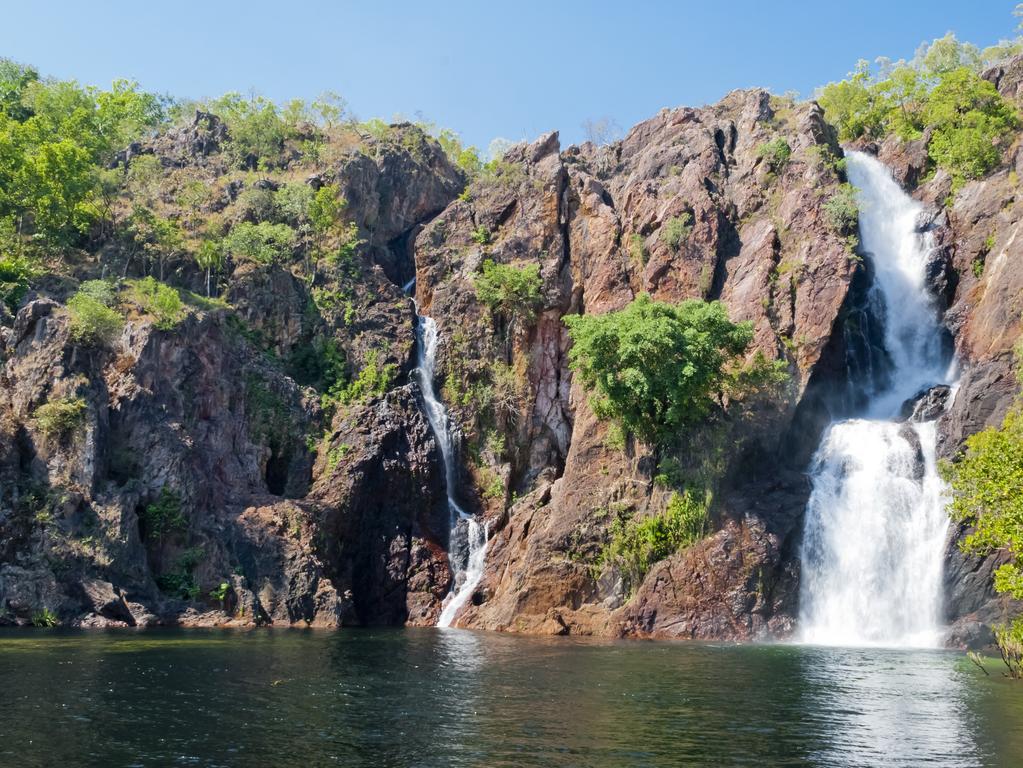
(987, 487)
(510, 293)
(656, 368)
(968, 117)
(987, 493)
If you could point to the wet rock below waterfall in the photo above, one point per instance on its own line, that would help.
(927, 405)
(459, 546)
(907, 433)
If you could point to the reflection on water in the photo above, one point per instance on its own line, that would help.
(885, 707)
(457, 698)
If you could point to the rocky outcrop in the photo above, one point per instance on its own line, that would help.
(591, 219)
(284, 506)
(266, 510)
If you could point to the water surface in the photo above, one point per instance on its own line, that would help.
(457, 698)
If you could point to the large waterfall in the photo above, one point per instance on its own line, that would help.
(875, 524)
(467, 566)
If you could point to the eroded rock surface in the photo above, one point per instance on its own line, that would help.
(292, 515)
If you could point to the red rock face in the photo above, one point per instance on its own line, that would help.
(591, 217)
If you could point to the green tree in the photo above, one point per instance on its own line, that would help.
(210, 258)
(263, 243)
(899, 100)
(55, 184)
(510, 291)
(969, 118)
(256, 129)
(851, 104)
(330, 109)
(325, 209)
(61, 110)
(156, 238)
(143, 179)
(14, 80)
(124, 113)
(987, 493)
(941, 89)
(57, 419)
(293, 202)
(655, 367)
(466, 158)
(56, 137)
(946, 54)
(92, 322)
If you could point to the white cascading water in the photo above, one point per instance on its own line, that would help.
(468, 577)
(875, 530)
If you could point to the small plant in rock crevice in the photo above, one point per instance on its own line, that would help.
(164, 515)
(676, 230)
(45, 618)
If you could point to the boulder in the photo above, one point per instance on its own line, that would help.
(105, 599)
(927, 405)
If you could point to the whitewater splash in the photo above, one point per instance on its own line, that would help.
(875, 530)
(467, 576)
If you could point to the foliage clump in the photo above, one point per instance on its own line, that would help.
(161, 301)
(103, 291)
(940, 90)
(676, 230)
(59, 418)
(372, 380)
(655, 367)
(509, 290)
(93, 322)
(1009, 639)
(164, 515)
(263, 242)
(481, 235)
(638, 251)
(987, 493)
(987, 488)
(45, 618)
(15, 273)
(775, 154)
(843, 211)
(637, 544)
(180, 581)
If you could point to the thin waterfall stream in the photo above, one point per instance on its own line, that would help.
(875, 530)
(466, 566)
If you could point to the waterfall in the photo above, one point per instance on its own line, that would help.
(467, 568)
(875, 527)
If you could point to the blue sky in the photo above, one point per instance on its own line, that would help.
(486, 69)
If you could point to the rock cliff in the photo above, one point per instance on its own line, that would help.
(283, 509)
